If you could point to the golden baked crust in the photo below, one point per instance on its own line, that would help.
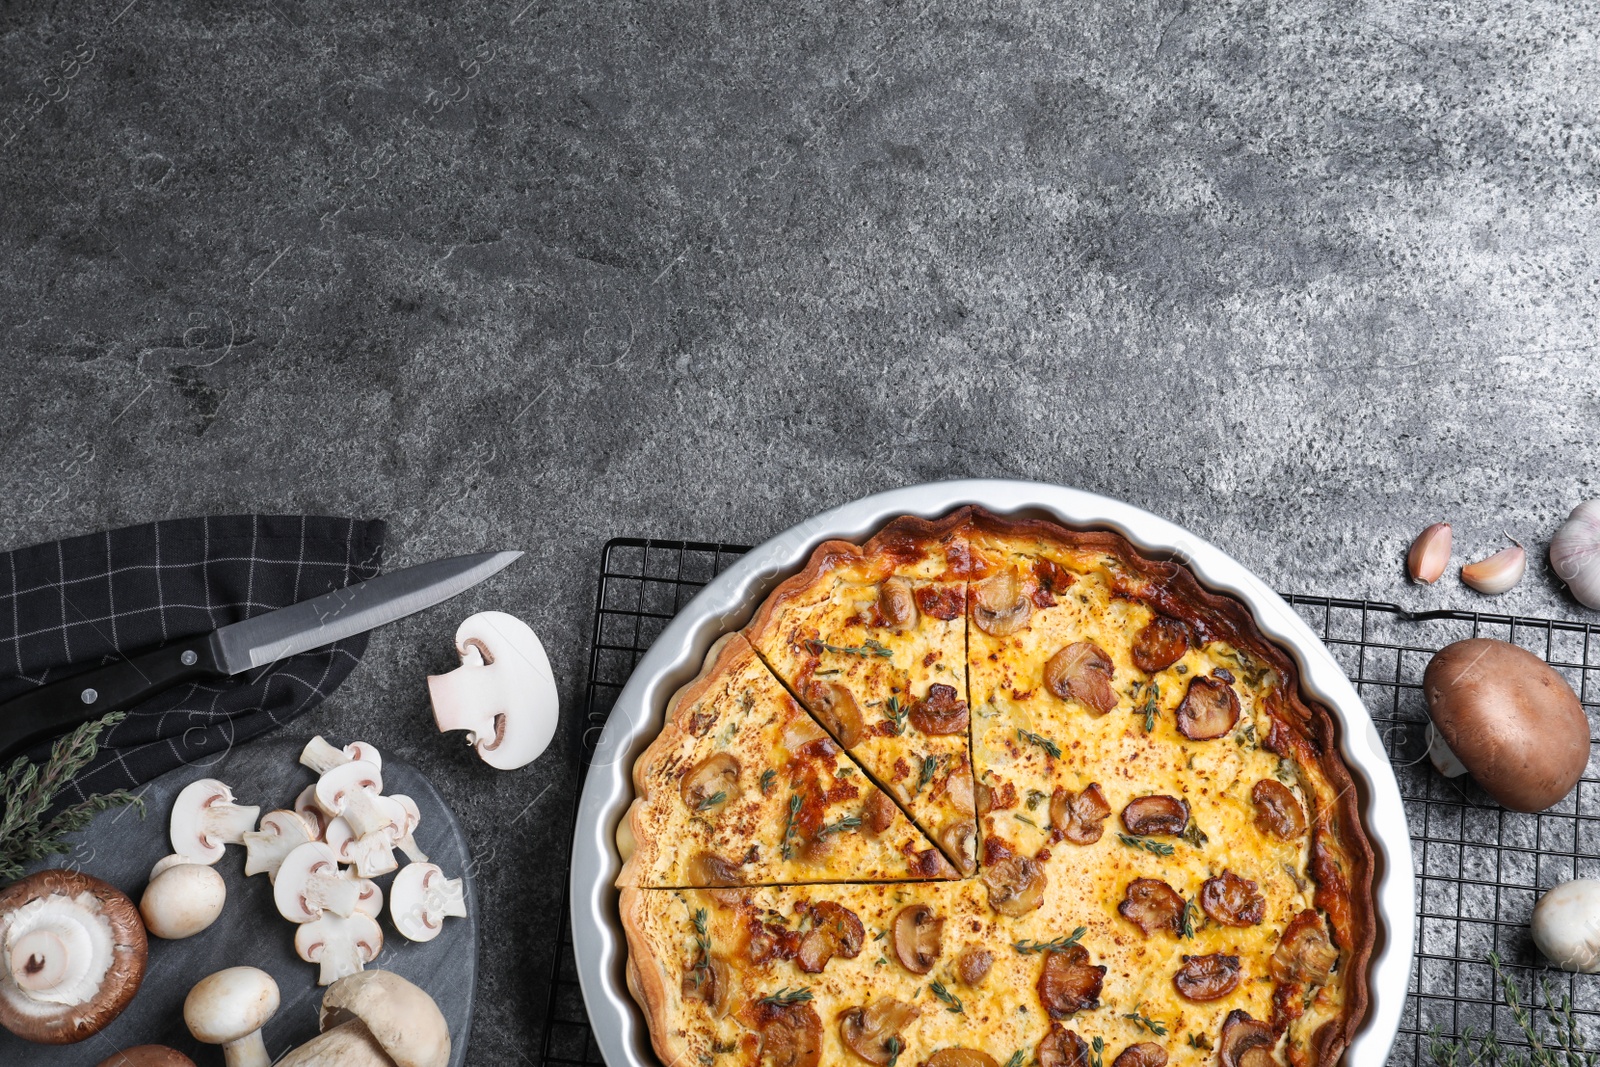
(1154, 798)
(742, 787)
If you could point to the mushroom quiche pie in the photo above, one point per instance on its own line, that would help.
(988, 792)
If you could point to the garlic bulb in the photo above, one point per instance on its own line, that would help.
(1429, 553)
(1498, 573)
(1575, 553)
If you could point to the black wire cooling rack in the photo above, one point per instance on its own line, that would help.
(1479, 868)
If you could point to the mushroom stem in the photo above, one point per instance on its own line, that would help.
(322, 757)
(248, 1051)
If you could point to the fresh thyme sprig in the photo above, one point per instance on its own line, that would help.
(1015, 1060)
(768, 776)
(1144, 1022)
(1189, 911)
(1194, 835)
(897, 714)
(1043, 742)
(849, 822)
(713, 800)
(28, 790)
(1059, 944)
(869, 647)
(702, 940)
(929, 765)
(894, 1046)
(1160, 848)
(1562, 1045)
(952, 1003)
(1152, 694)
(786, 996)
(784, 845)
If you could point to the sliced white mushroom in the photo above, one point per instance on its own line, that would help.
(406, 842)
(351, 790)
(183, 898)
(503, 694)
(340, 946)
(305, 806)
(311, 883)
(323, 757)
(371, 854)
(204, 818)
(281, 833)
(421, 898)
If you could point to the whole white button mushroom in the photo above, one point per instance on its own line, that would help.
(1566, 925)
(229, 1008)
(503, 694)
(182, 899)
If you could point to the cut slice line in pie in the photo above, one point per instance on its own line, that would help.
(1161, 862)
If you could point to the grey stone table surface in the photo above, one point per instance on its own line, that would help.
(1303, 278)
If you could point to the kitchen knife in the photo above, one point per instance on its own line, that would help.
(255, 642)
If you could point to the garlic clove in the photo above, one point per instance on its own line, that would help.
(1429, 554)
(1498, 573)
(1575, 553)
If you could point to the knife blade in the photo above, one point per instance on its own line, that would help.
(238, 647)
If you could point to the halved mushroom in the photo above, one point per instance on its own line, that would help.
(1161, 643)
(1082, 672)
(339, 946)
(918, 938)
(972, 966)
(503, 694)
(407, 843)
(1062, 1048)
(790, 1033)
(1246, 1042)
(878, 812)
(835, 931)
(873, 1032)
(1207, 977)
(1305, 953)
(421, 898)
(707, 868)
(281, 833)
(1231, 900)
(1277, 811)
(74, 954)
(305, 806)
(322, 757)
(1015, 884)
(711, 783)
(310, 883)
(1156, 815)
(897, 603)
(836, 706)
(1080, 816)
(1209, 709)
(998, 606)
(1151, 905)
(1069, 983)
(1144, 1054)
(942, 711)
(351, 790)
(182, 899)
(959, 839)
(204, 818)
(372, 855)
(956, 1056)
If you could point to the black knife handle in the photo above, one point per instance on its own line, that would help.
(54, 709)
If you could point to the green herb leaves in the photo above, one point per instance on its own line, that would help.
(1144, 1022)
(786, 843)
(27, 791)
(1059, 944)
(896, 712)
(952, 1003)
(1050, 747)
(868, 647)
(786, 996)
(1159, 848)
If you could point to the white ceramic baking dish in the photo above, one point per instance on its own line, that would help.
(730, 599)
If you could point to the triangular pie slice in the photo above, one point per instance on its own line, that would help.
(742, 787)
(872, 640)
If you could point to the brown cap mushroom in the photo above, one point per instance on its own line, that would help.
(1512, 721)
(73, 956)
(147, 1056)
(376, 1019)
(229, 1008)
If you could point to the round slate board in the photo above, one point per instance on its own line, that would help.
(120, 848)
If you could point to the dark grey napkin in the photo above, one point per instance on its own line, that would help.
(74, 604)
